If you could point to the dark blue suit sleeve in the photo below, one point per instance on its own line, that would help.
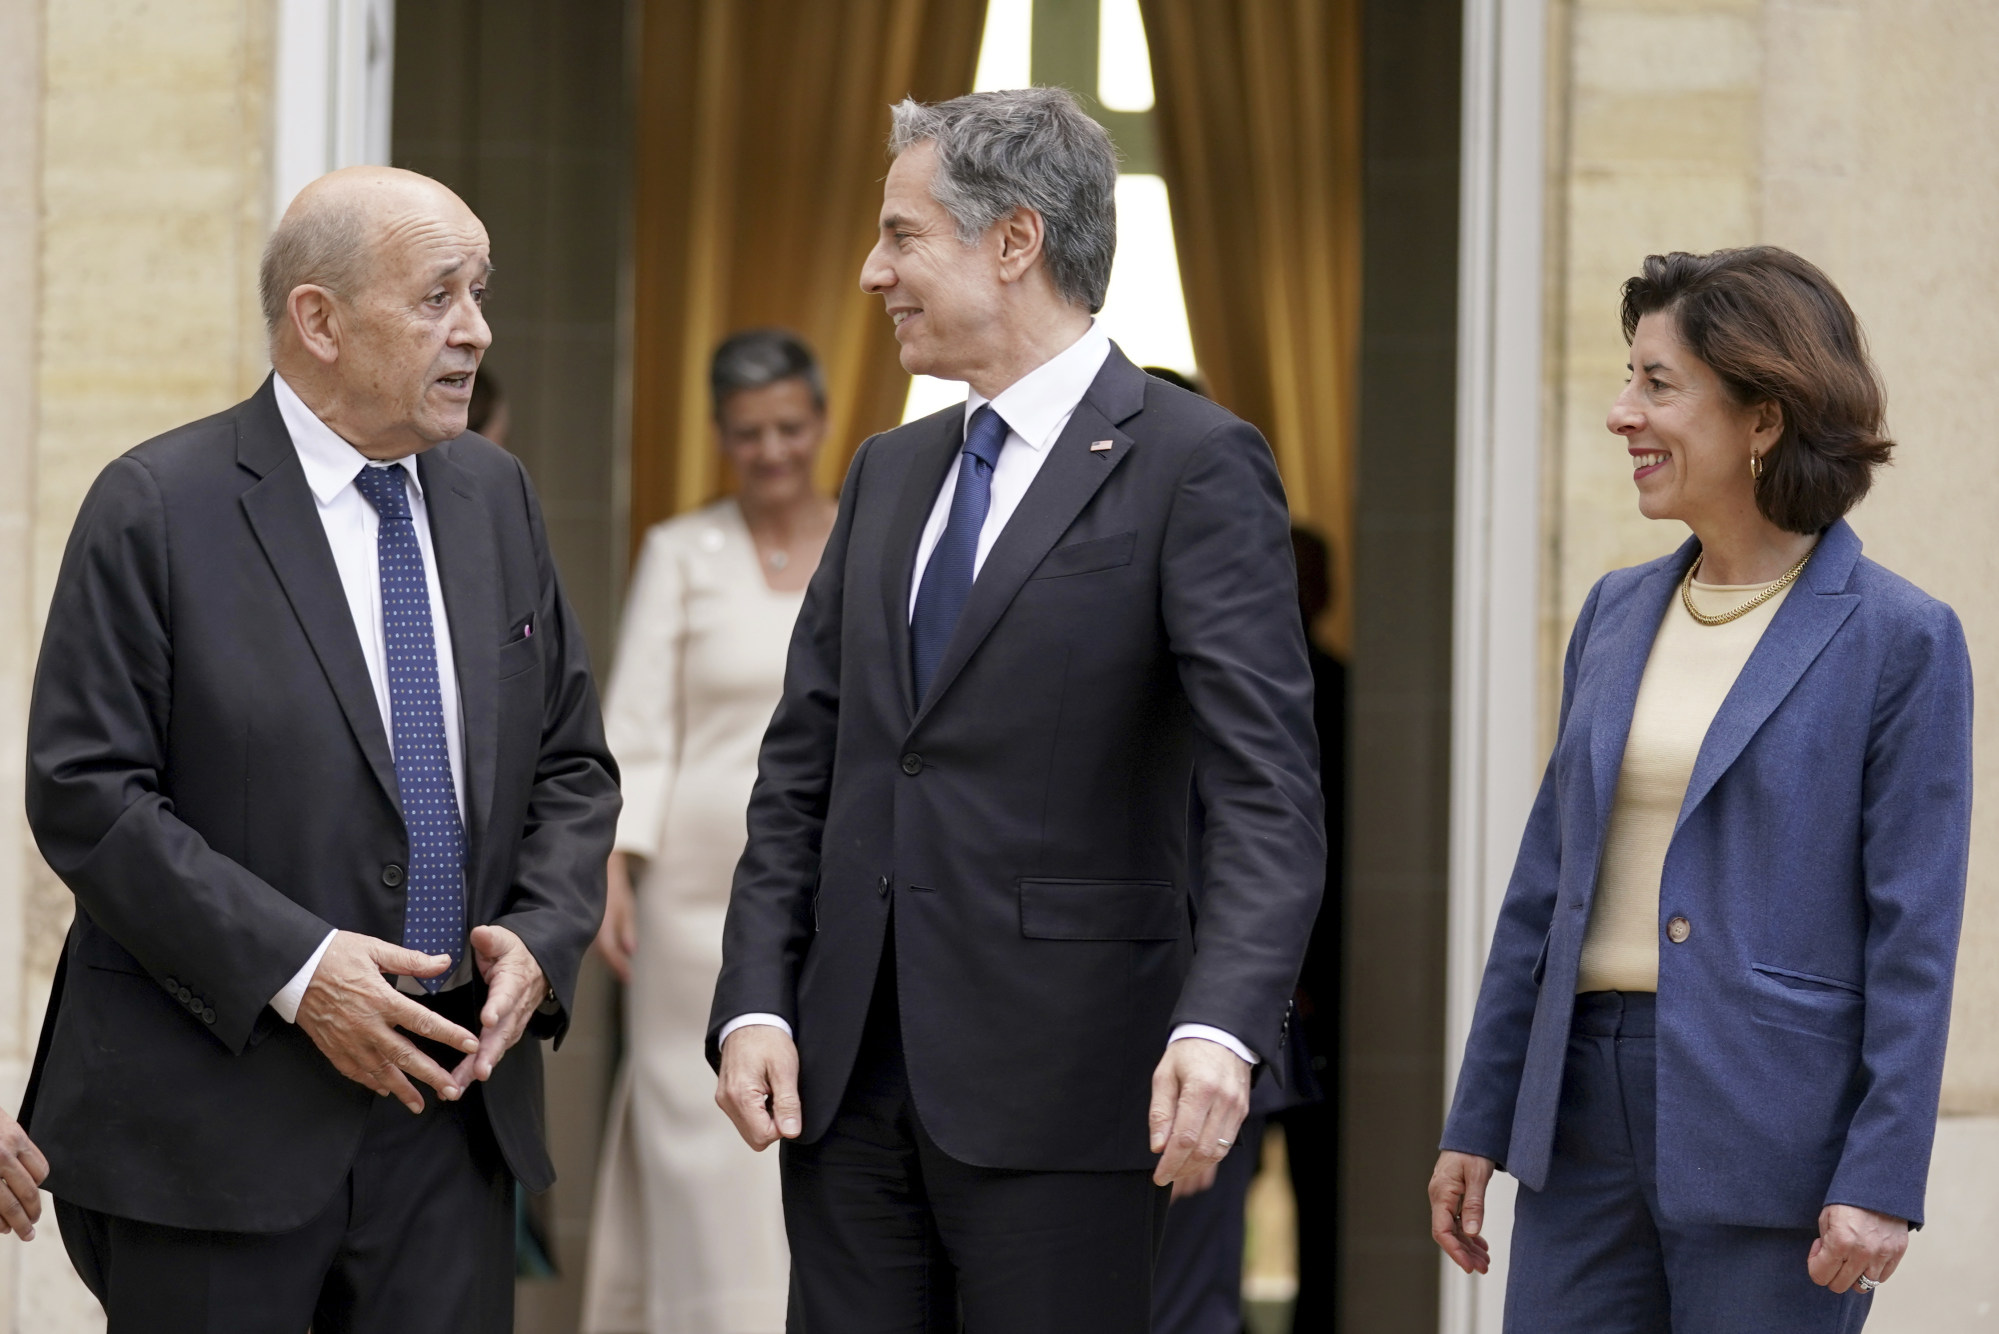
(1481, 1118)
(97, 749)
(769, 922)
(1915, 846)
(1229, 600)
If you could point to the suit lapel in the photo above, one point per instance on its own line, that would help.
(1811, 614)
(933, 456)
(1623, 669)
(468, 570)
(1068, 479)
(285, 518)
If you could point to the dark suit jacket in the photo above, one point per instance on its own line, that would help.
(209, 773)
(1135, 626)
(1819, 860)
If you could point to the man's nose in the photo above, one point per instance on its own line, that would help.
(876, 275)
(472, 330)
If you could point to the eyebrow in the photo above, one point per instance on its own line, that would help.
(447, 270)
(1651, 366)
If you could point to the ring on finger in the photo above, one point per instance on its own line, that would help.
(1866, 1284)
(1224, 1143)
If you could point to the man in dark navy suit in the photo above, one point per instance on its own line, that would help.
(962, 974)
(315, 745)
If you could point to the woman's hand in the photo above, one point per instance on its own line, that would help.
(1855, 1241)
(1457, 1208)
(618, 937)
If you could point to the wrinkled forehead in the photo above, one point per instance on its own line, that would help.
(424, 245)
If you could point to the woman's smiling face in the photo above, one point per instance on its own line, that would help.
(1689, 440)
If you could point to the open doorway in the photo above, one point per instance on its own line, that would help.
(527, 110)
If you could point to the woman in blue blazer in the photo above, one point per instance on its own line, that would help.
(1710, 1037)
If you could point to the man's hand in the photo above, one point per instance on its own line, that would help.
(618, 936)
(1457, 1209)
(1195, 1184)
(515, 989)
(352, 1015)
(759, 1085)
(1200, 1094)
(1855, 1241)
(22, 1171)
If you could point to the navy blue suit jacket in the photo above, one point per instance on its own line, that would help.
(1820, 860)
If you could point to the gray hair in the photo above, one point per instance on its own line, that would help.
(758, 357)
(1024, 148)
(326, 246)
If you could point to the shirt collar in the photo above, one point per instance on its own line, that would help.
(330, 463)
(1036, 404)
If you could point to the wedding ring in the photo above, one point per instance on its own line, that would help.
(1866, 1284)
(1224, 1143)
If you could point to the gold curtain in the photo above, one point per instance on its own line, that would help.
(760, 145)
(1259, 121)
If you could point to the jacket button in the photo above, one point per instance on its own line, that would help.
(172, 985)
(208, 1016)
(912, 764)
(1678, 930)
(881, 886)
(184, 994)
(392, 875)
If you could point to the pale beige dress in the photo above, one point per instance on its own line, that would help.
(688, 1232)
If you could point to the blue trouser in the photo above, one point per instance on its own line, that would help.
(1591, 1252)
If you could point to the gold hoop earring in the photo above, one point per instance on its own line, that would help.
(1755, 467)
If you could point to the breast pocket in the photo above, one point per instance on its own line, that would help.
(1823, 1007)
(1099, 553)
(1101, 910)
(517, 656)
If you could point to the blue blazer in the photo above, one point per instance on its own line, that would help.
(1820, 859)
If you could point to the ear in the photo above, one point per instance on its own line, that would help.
(1766, 425)
(1021, 234)
(315, 316)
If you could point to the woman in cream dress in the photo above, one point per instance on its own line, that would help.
(688, 1233)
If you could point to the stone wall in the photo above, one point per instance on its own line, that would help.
(133, 203)
(1863, 134)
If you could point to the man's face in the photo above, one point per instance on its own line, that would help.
(943, 294)
(412, 337)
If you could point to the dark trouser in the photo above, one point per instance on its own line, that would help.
(891, 1235)
(420, 1236)
(1197, 1284)
(1591, 1253)
(1312, 1149)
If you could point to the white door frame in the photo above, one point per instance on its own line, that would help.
(1495, 736)
(332, 90)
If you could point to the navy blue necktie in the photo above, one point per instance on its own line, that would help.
(434, 888)
(947, 579)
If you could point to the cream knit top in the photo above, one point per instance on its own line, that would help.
(1690, 671)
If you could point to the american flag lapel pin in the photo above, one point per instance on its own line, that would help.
(1100, 446)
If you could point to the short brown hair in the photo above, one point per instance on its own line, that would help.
(1775, 329)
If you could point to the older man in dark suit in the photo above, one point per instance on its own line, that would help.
(961, 975)
(312, 710)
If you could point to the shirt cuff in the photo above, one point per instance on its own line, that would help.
(286, 1002)
(1228, 1040)
(745, 1021)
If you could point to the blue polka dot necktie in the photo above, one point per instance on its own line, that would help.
(947, 579)
(434, 887)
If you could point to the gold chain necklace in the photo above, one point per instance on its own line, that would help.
(1687, 592)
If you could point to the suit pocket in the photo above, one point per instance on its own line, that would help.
(517, 656)
(1541, 959)
(1099, 553)
(1101, 910)
(1824, 1007)
(96, 949)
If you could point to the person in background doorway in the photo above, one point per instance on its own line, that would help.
(689, 1230)
(1710, 1040)
(1312, 1122)
(490, 413)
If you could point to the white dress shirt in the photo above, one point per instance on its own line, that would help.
(1035, 408)
(351, 523)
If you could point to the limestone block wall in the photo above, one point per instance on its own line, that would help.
(1865, 135)
(133, 203)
